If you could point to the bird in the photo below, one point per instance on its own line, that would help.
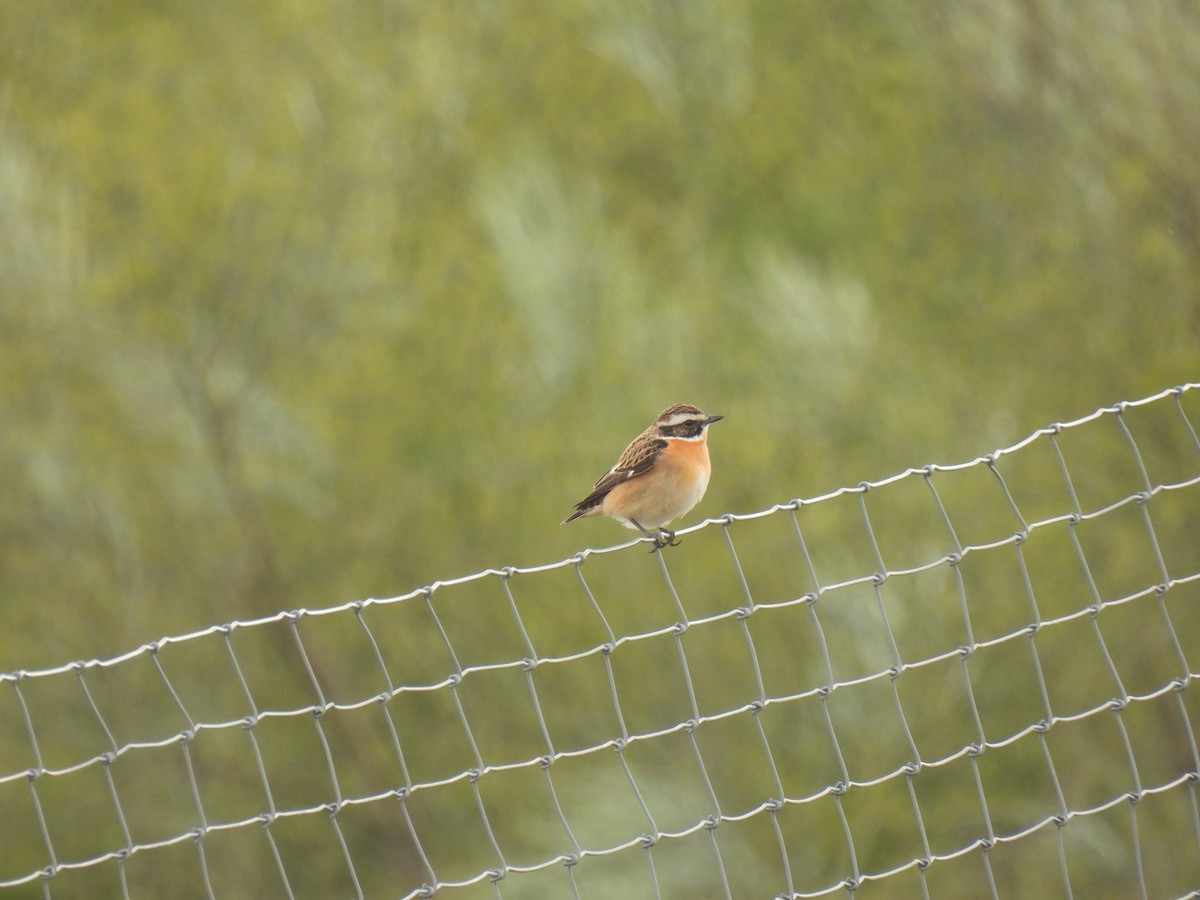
(661, 475)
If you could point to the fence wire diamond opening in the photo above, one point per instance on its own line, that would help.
(964, 680)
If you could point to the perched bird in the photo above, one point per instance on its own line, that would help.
(659, 477)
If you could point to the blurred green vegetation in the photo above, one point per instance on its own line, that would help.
(303, 302)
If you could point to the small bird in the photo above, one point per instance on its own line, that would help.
(661, 475)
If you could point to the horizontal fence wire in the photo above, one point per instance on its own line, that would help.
(970, 679)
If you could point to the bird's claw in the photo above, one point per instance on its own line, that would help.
(664, 538)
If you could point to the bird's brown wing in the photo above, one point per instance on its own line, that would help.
(639, 457)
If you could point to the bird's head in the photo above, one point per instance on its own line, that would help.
(684, 422)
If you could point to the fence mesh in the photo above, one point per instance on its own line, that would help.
(964, 680)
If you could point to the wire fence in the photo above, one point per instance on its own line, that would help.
(962, 680)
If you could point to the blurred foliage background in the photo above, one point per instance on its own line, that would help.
(304, 301)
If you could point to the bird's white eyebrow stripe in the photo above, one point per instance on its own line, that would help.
(678, 419)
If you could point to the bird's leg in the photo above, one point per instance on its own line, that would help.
(659, 540)
(664, 538)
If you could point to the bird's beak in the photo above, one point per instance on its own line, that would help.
(712, 419)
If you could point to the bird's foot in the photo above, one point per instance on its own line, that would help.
(664, 538)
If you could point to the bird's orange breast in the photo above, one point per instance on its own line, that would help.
(691, 457)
